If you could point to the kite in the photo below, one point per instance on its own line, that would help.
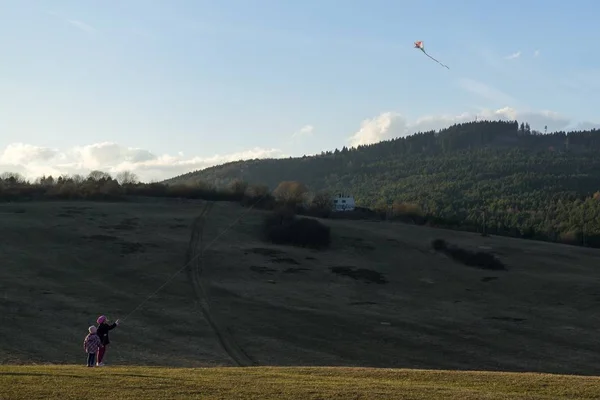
(419, 45)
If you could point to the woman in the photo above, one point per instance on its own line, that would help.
(102, 332)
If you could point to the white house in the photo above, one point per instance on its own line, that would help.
(342, 202)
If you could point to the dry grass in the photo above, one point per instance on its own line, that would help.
(78, 382)
(381, 296)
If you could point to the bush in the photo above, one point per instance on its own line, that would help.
(478, 259)
(283, 227)
(439, 244)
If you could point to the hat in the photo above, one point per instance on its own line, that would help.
(101, 319)
(92, 329)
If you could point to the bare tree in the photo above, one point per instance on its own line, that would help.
(77, 179)
(99, 175)
(13, 177)
(400, 208)
(238, 186)
(322, 200)
(127, 178)
(257, 190)
(291, 193)
(45, 180)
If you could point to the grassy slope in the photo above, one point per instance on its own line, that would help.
(63, 264)
(287, 307)
(68, 382)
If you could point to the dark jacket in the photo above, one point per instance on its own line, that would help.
(102, 332)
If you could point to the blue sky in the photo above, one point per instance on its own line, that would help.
(164, 87)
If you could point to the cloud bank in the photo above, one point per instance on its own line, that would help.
(389, 125)
(34, 161)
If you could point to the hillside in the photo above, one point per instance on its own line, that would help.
(530, 184)
(379, 297)
(489, 154)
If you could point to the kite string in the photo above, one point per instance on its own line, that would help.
(193, 258)
(427, 54)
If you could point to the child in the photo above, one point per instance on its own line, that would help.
(103, 328)
(91, 344)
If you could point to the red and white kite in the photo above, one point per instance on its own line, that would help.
(419, 45)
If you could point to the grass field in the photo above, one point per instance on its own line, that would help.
(77, 382)
(380, 297)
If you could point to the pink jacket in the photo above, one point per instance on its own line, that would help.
(91, 343)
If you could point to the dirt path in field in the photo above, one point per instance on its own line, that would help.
(200, 285)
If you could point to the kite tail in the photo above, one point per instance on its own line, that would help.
(443, 65)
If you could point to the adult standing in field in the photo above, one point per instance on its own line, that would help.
(103, 328)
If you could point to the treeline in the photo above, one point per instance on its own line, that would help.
(293, 197)
(573, 221)
(99, 185)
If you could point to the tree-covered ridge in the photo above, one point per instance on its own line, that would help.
(479, 160)
(528, 183)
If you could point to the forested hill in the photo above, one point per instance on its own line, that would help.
(525, 180)
(469, 163)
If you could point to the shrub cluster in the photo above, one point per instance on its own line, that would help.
(283, 227)
(477, 259)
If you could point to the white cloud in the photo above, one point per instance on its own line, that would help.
(385, 126)
(34, 161)
(82, 25)
(536, 53)
(513, 56)
(389, 125)
(485, 91)
(306, 130)
(76, 23)
(19, 153)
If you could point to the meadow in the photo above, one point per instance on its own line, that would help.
(379, 297)
(265, 383)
